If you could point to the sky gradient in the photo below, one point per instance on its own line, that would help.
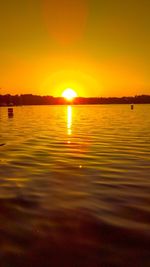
(98, 48)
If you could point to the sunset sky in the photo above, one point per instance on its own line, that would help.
(97, 48)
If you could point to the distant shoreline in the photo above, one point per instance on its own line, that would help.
(29, 99)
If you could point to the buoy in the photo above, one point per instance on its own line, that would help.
(132, 106)
(10, 112)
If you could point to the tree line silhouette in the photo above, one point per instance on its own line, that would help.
(29, 99)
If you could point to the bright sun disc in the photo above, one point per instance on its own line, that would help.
(69, 94)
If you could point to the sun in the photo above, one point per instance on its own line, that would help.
(69, 94)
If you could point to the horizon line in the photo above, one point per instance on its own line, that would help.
(31, 94)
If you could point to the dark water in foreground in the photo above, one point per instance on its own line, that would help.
(75, 186)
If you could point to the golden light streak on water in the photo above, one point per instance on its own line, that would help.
(69, 120)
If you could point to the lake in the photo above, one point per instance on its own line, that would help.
(75, 186)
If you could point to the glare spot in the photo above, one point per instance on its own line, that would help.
(69, 94)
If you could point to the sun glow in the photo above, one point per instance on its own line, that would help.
(69, 94)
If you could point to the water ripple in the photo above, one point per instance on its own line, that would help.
(96, 161)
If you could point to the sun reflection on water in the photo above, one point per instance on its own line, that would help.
(69, 120)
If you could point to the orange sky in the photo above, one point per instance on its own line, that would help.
(97, 48)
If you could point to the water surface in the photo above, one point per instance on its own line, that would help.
(66, 168)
